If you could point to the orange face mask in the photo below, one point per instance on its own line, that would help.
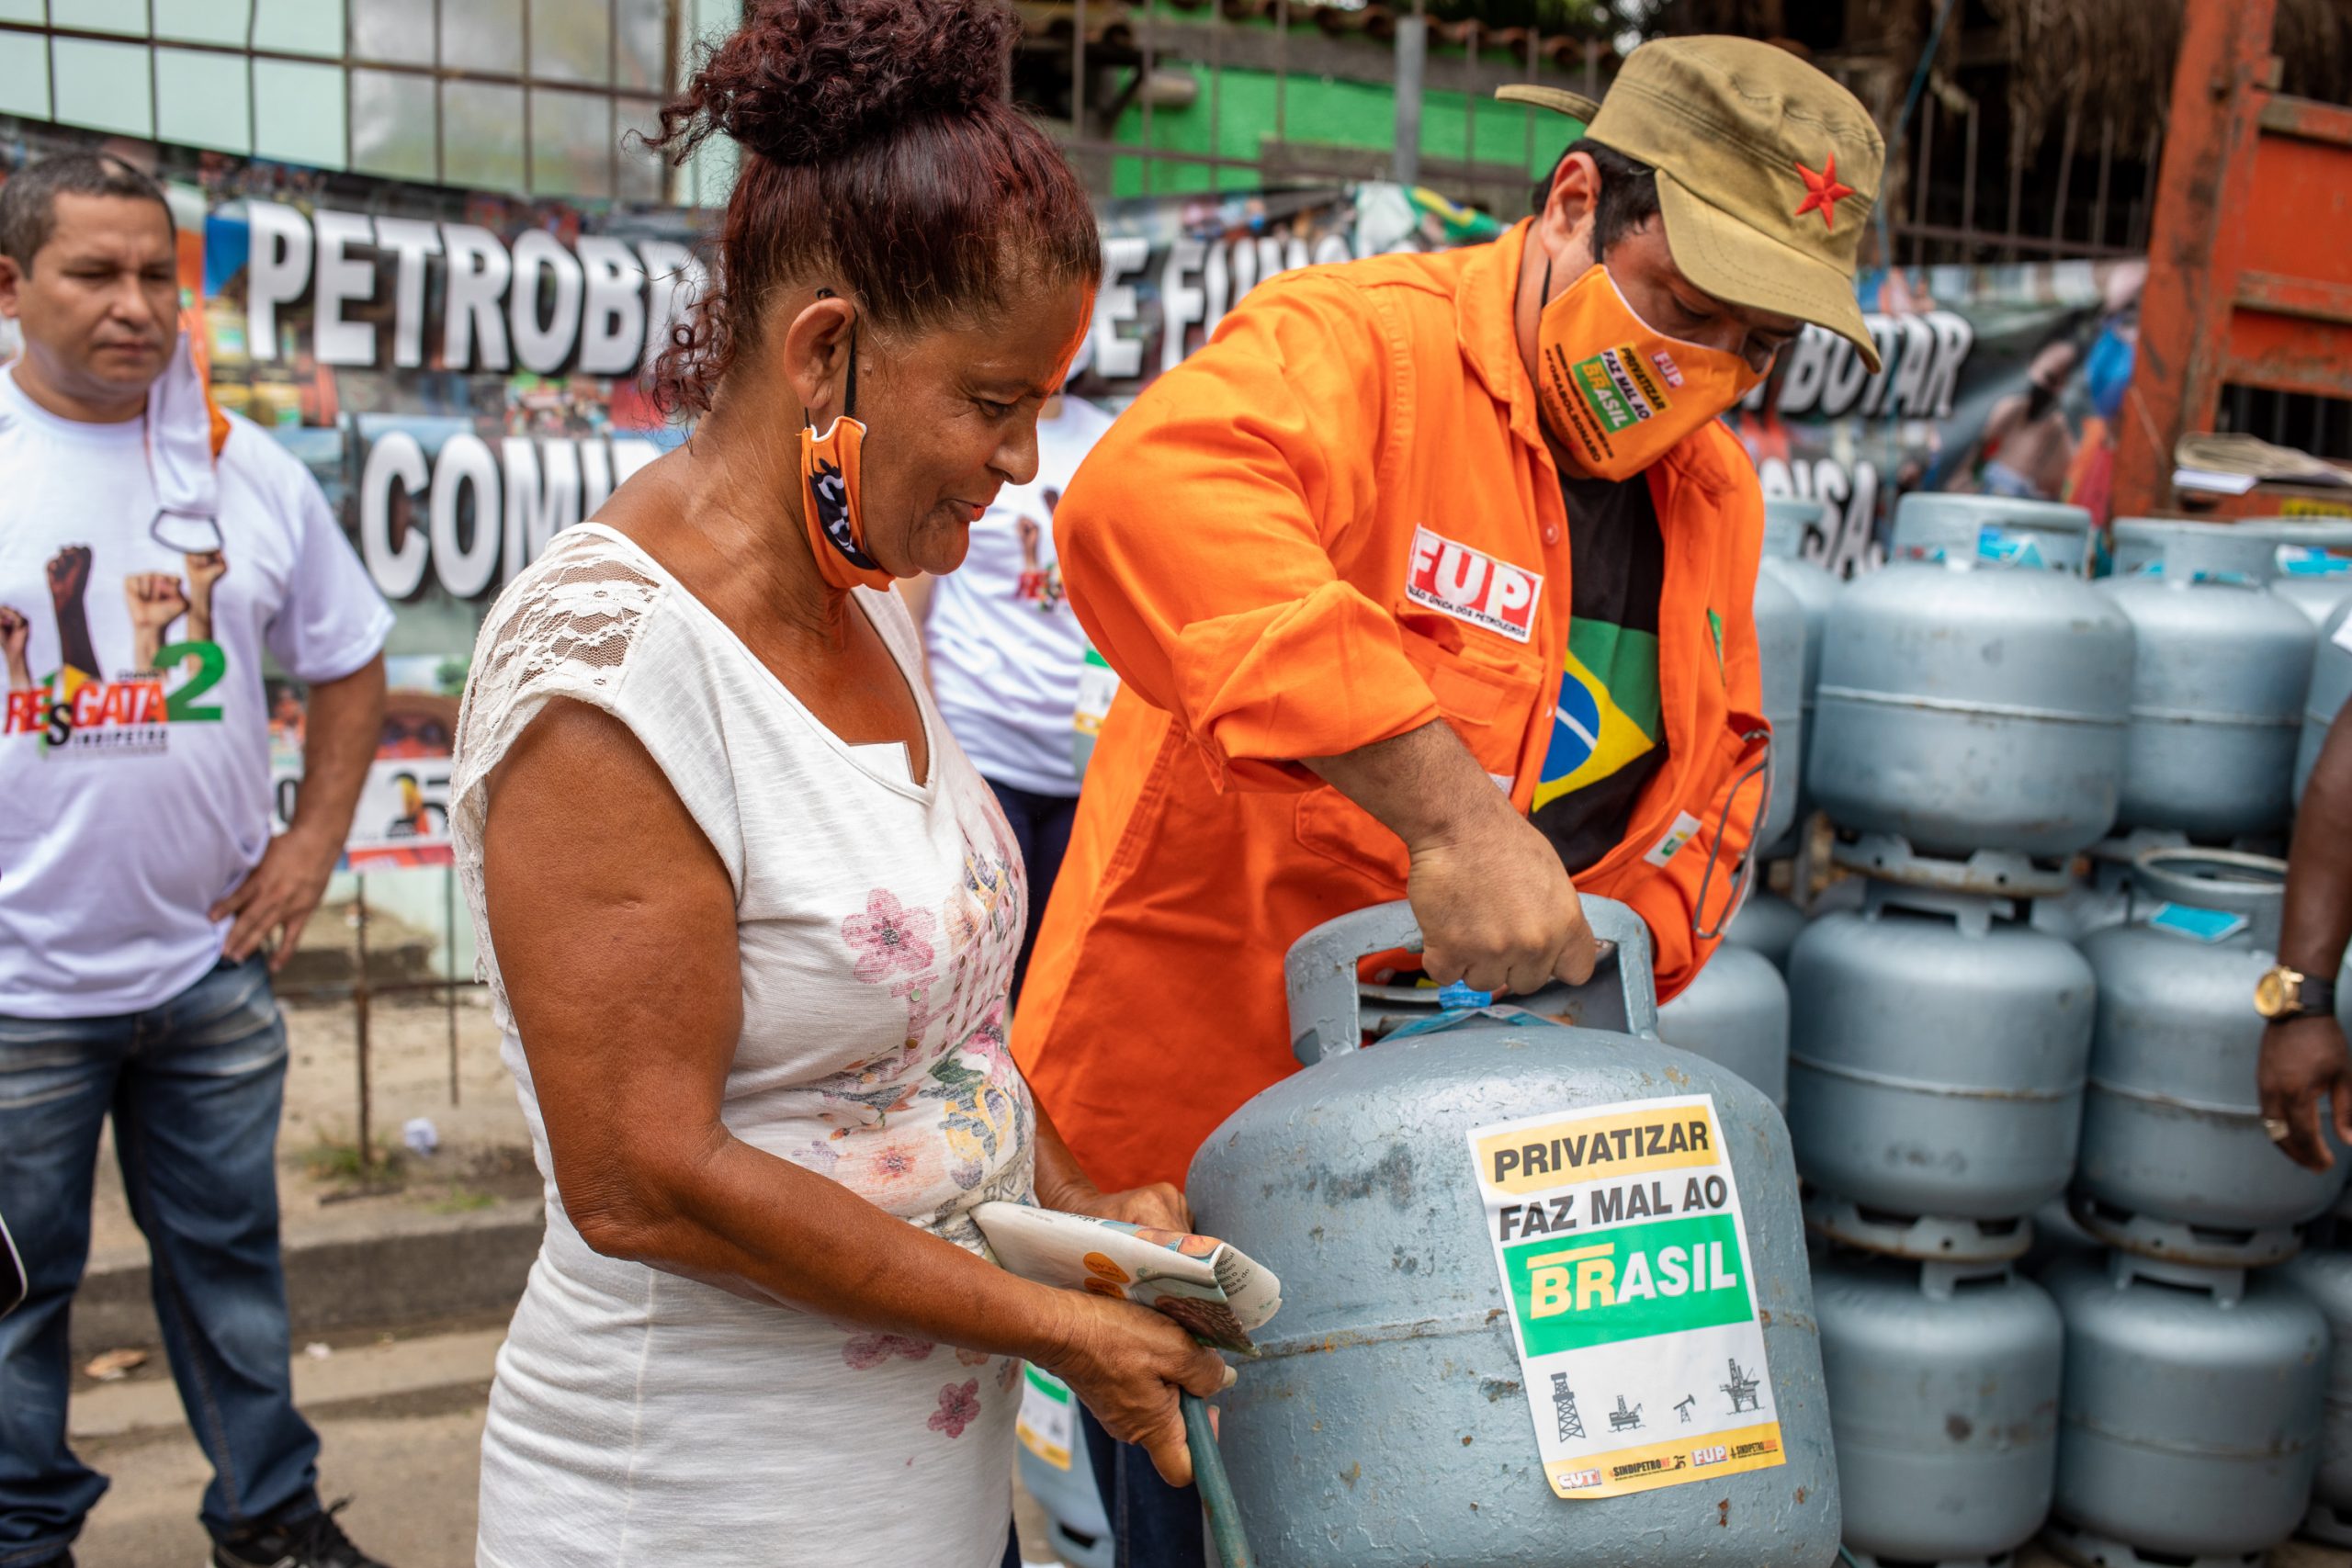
(1617, 392)
(829, 502)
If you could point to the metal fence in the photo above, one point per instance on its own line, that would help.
(530, 97)
(1965, 182)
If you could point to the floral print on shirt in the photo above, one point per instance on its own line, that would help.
(959, 1406)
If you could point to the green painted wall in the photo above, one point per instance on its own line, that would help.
(1319, 109)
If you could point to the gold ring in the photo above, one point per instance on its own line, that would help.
(2275, 1129)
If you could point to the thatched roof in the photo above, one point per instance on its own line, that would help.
(2110, 59)
(2114, 59)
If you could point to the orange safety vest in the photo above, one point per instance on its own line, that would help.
(1251, 548)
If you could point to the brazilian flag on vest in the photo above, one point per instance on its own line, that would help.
(1608, 714)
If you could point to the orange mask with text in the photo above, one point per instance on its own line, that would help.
(829, 476)
(1617, 392)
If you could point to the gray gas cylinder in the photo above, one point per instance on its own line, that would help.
(1950, 527)
(1769, 924)
(1737, 1015)
(1968, 701)
(2314, 560)
(2190, 1427)
(1385, 1420)
(2220, 669)
(2331, 684)
(1936, 1058)
(2324, 1277)
(2102, 897)
(1786, 522)
(2173, 1160)
(1780, 654)
(1057, 1471)
(1098, 685)
(1943, 1398)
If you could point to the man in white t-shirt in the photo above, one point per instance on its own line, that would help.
(1005, 653)
(150, 555)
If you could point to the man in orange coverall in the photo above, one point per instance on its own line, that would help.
(1431, 577)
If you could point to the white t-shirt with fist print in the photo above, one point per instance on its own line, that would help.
(134, 740)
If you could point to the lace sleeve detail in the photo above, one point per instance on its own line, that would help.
(565, 629)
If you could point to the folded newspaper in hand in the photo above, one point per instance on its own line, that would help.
(1215, 1291)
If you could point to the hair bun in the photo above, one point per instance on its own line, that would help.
(806, 81)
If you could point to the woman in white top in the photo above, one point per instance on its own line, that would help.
(748, 914)
(1006, 651)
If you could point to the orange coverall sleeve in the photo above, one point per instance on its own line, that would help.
(1197, 540)
(1667, 896)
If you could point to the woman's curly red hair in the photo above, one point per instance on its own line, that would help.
(882, 157)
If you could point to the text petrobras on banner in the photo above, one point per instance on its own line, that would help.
(1618, 1232)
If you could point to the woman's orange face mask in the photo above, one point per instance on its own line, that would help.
(1616, 391)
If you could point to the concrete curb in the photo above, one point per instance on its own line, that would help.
(374, 1269)
(355, 1376)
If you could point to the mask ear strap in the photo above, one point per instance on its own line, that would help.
(849, 403)
(849, 399)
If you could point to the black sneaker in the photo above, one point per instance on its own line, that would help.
(314, 1540)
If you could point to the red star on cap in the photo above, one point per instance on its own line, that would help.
(1821, 191)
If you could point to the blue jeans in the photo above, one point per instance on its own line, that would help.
(1153, 1525)
(194, 1086)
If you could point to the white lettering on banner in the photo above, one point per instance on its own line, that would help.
(1954, 338)
(479, 270)
(543, 345)
(412, 240)
(1907, 374)
(1117, 357)
(277, 270)
(529, 492)
(677, 279)
(537, 508)
(341, 278)
(1181, 302)
(627, 457)
(1921, 356)
(1472, 586)
(395, 459)
(465, 567)
(612, 322)
(1216, 284)
(604, 305)
(1844, 541)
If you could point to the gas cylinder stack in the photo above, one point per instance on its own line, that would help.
(2192, 1416)
(1736, 1012)
(2192, 1412)
(2314, 560)
(1968, 741)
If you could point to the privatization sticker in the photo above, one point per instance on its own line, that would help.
(1618, 1232)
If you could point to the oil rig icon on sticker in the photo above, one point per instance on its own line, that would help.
(1742, 1389)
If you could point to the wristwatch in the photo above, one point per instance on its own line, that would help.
(2283, 993)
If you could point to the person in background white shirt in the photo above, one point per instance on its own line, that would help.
(1004, 651)
(149, 557)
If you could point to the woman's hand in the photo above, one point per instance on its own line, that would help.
(1128, 1362)
(1157, 1207)
(1063, 1184)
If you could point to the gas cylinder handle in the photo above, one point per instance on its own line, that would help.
(1320, 972)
